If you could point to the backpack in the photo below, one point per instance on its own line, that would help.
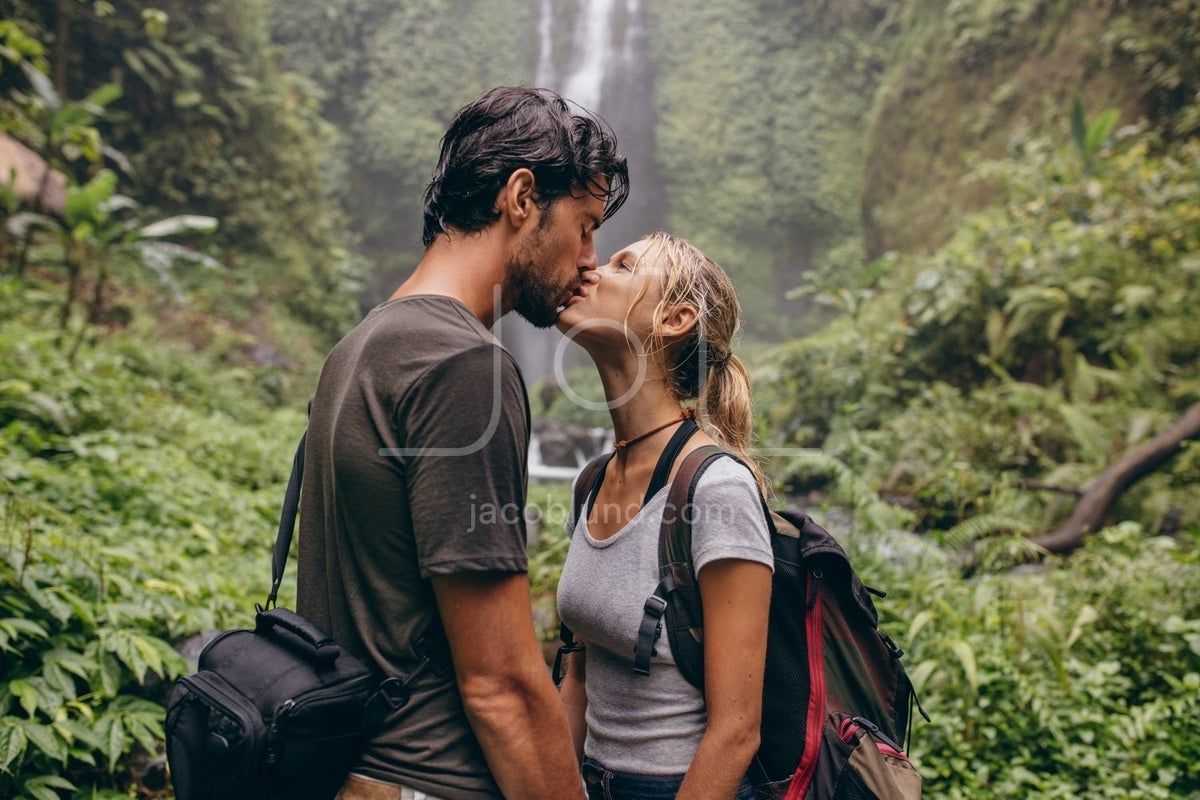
(836, 700)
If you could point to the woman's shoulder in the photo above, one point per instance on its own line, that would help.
(727, 473)
(726, 468)
(728, 520)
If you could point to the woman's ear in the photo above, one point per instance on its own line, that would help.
(518, 197)
(678, 321)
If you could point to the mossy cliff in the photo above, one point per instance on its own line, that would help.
(801, 140)
(969, 80)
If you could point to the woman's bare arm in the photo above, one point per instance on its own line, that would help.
(736, 597)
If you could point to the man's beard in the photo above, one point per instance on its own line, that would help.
(537, 296)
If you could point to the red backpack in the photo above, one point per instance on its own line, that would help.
(836, 700)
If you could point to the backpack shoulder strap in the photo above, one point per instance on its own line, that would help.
(677, 589)
(666, 459)
(587, 482)
(675, 534)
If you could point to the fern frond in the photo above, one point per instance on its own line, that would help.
(984, 526)
(1085, 431)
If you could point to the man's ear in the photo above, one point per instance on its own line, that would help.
(679, 320)
(517, 199)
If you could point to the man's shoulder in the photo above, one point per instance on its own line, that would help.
(422, 331)
(428, 315)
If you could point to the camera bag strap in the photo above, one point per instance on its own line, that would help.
(393, 691)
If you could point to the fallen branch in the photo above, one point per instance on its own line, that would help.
(1037, 486)
(1099, 496)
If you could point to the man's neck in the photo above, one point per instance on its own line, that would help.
(469, 268)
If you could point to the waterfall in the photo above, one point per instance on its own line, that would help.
(583, 83)
(604, 69)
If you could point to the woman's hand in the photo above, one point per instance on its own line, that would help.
(736, 598)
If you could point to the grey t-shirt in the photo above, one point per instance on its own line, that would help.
(650, 725)
(414, 467)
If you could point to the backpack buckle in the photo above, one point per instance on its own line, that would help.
(648, 633)
(655, 606)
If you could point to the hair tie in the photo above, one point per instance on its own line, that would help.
(720, 363)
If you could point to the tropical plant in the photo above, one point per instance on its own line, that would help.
(137, 492)
(1052, 332)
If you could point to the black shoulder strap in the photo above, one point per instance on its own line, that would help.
(677, 577)
(666, 460)
(287, 523)
(587, 483)
(431, 648)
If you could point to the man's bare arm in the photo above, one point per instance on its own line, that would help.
(509, 697)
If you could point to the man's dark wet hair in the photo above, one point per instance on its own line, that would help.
(568, 150)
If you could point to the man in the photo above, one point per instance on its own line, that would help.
(416, 458)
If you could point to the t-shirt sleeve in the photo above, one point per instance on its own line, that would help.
(728, 519)
(465, 429)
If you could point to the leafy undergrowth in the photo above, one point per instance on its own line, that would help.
(1080, 678)
(139, 490)
(1001, 374)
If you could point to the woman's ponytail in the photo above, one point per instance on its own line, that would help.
(727, 412)
(701, 364)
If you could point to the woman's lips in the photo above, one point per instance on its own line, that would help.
(575, 293)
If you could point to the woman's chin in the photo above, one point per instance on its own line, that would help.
(569, 316)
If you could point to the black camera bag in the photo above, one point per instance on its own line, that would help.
(278, 711)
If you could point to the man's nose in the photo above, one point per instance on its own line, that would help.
(588, 259)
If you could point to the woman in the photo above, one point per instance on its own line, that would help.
(657, 319)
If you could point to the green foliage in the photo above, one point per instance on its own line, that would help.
(759, 135)
(965, 77)
(1077, 679)
(1089, 138)
(547, 510)
(199, 120)
(138, 493)
(390, 76)
(1053, 331)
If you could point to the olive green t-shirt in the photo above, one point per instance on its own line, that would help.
(415, 467)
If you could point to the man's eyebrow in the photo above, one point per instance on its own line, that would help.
(596, 221)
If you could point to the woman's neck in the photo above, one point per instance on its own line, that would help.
(640, 404)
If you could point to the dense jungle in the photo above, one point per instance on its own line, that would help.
(965, 233)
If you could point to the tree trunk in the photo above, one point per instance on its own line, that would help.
(62, 36)
(1089, 513)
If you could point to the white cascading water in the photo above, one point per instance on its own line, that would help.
(592, 52)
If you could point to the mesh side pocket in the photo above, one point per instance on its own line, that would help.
(786, 677)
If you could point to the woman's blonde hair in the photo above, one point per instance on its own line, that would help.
(701, 365)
